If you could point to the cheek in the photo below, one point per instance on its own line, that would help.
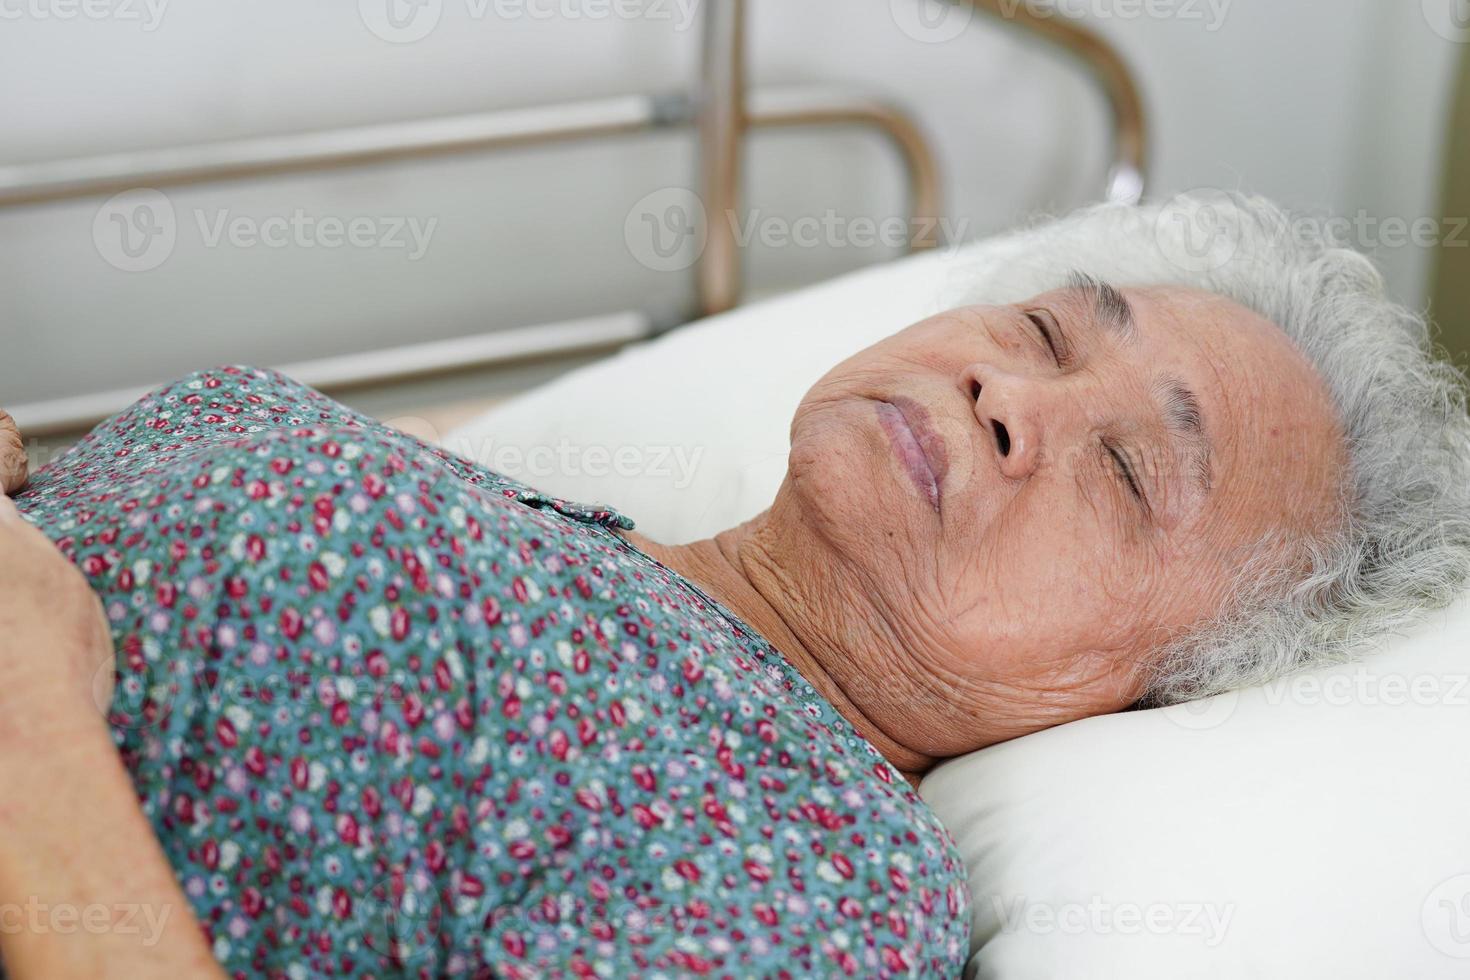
(1039, 587)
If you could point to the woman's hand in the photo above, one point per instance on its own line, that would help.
(55, 646)
(12, 455)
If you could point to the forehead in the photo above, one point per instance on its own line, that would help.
(1268, 414)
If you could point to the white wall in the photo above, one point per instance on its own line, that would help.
(1336, 104)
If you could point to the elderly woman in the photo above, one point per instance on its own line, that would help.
(381, 712)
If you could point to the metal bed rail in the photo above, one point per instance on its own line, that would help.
(721, 111)
(63, 180)
(1128, 173)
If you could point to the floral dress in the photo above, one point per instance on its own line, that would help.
(393, 715)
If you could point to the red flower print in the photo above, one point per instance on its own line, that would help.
(291, 623)
(399, 623)
(894, 960)
(645, 778)
(491, 609)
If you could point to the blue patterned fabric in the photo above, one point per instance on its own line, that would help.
(393, 715)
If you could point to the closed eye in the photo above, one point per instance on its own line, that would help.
(1125, 472)
(1050, 334)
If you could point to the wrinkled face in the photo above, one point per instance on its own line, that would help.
(1031, 498)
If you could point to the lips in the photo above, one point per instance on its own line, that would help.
(919, 447)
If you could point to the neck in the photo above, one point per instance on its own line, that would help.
(733, 568)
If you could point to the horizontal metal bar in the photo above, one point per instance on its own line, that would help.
(66, 415)
(57, 180)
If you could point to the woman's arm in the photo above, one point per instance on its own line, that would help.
(85, 890)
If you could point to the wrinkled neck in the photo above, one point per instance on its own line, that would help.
(735, 569)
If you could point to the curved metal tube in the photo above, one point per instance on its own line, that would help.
(1129, 172)
(815, 107)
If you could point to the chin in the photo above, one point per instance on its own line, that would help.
(844, 483)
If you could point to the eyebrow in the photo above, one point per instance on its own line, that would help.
(1186, 422)
(1109, 305)
(1183, 417)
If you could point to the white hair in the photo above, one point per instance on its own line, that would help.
(1403, 544)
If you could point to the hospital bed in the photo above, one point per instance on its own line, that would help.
(1236, 837)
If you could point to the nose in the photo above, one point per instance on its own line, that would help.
(1007, 408)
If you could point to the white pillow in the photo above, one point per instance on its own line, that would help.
(1317, 828)
(1328, 834)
